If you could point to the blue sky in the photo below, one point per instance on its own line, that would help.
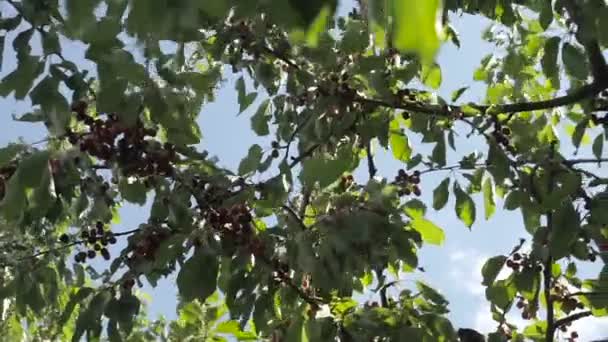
(454, 268)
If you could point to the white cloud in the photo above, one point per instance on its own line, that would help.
(484, 323)
(466, 270)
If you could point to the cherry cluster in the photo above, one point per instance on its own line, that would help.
(528, 310)
(95, 239)
(233, 222)
(275, 149)
(501, 134)
(111, 140)
(521, 260)
(147, 243)
(561, 294)
(409, 183)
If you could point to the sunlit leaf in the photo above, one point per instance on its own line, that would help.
(417, 26)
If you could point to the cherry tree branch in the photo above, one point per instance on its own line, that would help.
(63, 247)
(571, 318)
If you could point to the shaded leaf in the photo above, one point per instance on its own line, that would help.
(197, 279)
(566, 227)
(491, 269)
(598, 146)
(441, 194)
(251, 162)
(465, 207)
(575, 62)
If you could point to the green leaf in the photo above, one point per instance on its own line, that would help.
(430, 293)
(197, 279)
(491, 269)
(89, 320)
(566, 227)
(135, 192)
(245, 100)
(527, 282)
(546, 14)
(441, 194)
(259, 121)
(75, 299)
(251, 162)
(417, 27)
(429, 231)
(500, 294)
(217, 9)
(21, 79)
(50, 43)
(578, 134)
(325, 170)
(9, 152)
(439, 151)
(400, 145)
(598, 146)
(32, 174)
(465, 207)
(458, 93)
(549, 60)
(414, 209)
(575, 62)
(431, 76)
(488, 198)
(602, 26)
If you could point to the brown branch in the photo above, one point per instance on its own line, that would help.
(63, 247)
(575, 96)
(571, 162)
(585, 294)
(571, 318)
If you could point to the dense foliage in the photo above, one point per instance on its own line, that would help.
(278, 258)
